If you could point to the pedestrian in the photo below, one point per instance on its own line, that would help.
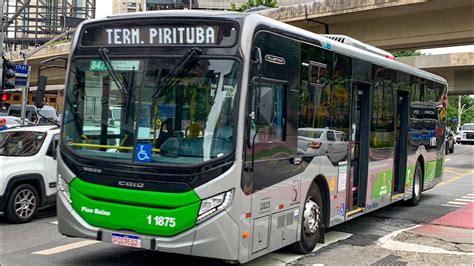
(3, 124)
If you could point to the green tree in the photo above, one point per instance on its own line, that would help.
(467, 105)
(406, 53)
(253, 3)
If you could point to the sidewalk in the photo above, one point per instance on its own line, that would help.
(453, 232)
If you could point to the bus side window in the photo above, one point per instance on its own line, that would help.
(269, 129)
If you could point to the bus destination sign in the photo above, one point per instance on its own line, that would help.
(161, 35)
(181, 34)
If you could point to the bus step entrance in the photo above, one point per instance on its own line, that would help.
(397, 197)
(354, 212)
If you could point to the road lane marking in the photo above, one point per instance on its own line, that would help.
(468, 197)
(283, 257)
(449, 205)
(64, 248)
(468, 200)
(54, 222)
(454, 179)
(453, 172)
(449, 159)
(455, 202)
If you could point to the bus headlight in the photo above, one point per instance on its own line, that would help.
(63, 187)
(213, 205)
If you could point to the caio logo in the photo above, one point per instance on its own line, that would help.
(131, 184)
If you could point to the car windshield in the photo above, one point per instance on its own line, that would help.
(315, 134)
(468, 127)
(48, 112)
(161, 114)
(20, 143)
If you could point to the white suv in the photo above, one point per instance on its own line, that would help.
(467, 133)
(27, 171)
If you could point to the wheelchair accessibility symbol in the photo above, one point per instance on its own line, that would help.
(143, 152)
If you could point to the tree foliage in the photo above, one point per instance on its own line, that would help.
(253, 3)
(466, 117)
(407, 53)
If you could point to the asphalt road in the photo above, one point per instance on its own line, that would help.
(18, 243)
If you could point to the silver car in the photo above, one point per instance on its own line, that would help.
(323, 142)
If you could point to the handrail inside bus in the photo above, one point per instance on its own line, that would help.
(99, 146)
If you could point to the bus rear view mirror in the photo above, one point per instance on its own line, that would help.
(265, 106)
(40, 92)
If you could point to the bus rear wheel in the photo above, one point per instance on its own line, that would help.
(311, 222)
(417, 186)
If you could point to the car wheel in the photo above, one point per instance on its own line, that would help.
(22, 204)
(311, 222)
(417, 186)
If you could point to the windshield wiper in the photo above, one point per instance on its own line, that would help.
(179, 68)
(120, 82)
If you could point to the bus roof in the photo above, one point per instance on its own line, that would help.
(252, 20)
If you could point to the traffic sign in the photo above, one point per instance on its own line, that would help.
(21, 69)
(21, 75)
(21, 81)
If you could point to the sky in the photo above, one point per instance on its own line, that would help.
(103, 8)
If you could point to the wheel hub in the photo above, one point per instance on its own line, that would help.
(312, 217)
(25, 203)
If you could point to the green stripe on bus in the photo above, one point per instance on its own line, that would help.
(120, 210)
(430, 171)
(132, 196)
(410, 174)
(383, 184)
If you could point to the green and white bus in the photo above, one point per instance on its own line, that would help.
(234, 135)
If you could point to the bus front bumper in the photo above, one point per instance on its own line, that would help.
(216, 238)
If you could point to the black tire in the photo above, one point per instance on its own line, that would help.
(417, 186)
(23, 196)
(309, 239)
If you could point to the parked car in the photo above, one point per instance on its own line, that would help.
(321, 142)
(48, 115)
(31, 112)
(450, 141)
(28, 176)
(13, 121)
(467, 133)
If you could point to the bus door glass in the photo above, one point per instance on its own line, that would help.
(401, 141)
(359, 144)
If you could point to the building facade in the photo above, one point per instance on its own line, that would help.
(208, 4)
(127, 6)
(42, 20)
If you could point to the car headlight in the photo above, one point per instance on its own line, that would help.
(213, 205)
(63, 187)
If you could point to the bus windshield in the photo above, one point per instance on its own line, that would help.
(151, 110)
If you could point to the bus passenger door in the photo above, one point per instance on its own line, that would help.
(401, 142)
(359, 147)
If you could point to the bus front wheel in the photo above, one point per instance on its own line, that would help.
(311, 222)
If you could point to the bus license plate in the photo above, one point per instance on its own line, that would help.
(127, 240)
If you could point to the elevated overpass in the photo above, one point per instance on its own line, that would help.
(387, 24)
